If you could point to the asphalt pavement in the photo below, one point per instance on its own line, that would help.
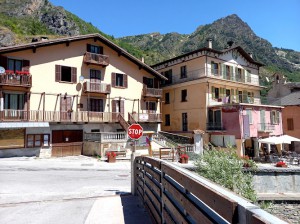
(76, 189)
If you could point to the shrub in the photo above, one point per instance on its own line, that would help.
(224, 167)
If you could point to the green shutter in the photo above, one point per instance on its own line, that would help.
(224, 71)
(213, 92)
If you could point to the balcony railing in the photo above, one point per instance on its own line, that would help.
(214, 73)
(213, 126)
(94, 87)
(266, 127)
(152, 92)
(58, 116)
(96, 59)
(106, 136)
(15, 80)
(147, 117)
(241, 98)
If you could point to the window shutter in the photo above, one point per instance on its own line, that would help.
(88, 48)
(213, 92)
(122, 107)
(74, 74)
(113, 79)
(223, 71)
(57, 73)
(3, 61)
(145, 80)
(26, 64)
(101, 50)
(113, 105)
(243, 75)
(231, 73)
(156, 83)
(125, 77)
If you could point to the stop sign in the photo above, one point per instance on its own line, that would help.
(135, 131)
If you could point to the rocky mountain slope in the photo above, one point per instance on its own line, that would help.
(21, 20)
(231, 28)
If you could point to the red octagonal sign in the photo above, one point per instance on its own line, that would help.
(135, 131)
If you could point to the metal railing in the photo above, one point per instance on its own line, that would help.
(16, 80)
(96, 87)
(266, 127)
(214, 126)
(214, 73)
(98, 59)
(152, 92)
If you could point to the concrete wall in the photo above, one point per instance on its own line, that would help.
(277, 180)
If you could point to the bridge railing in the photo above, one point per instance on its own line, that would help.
(174, 195)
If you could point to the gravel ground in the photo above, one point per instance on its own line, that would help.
(289, 212)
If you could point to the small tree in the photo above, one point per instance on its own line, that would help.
(224, 167)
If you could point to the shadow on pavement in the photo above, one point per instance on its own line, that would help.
(134, 211)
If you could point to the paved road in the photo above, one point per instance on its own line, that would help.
(74, 190)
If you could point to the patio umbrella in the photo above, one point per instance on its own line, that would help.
(288, 139)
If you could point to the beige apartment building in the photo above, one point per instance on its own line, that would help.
(217, 92)
(54, 94)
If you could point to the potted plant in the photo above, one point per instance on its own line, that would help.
(111, 157)
(184, 158)
(281, 164)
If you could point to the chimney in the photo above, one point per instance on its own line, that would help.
(209, 43)
(250, 54)
(143, 60)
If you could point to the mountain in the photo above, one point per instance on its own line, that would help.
(160, 47)
(22, 20)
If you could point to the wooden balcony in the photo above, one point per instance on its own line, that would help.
(152, 92)
(94, 87)
(17, 80)
(59, 116)
(96, 59)
(147, 117)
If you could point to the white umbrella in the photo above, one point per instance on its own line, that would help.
(288, 139)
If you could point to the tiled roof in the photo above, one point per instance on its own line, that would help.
(96, 36)
(292, 99)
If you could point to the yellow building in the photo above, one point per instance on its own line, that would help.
(214, 91)
(52, 92)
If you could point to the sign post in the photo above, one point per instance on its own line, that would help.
(135, 131)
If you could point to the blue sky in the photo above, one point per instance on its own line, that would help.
(277, 21)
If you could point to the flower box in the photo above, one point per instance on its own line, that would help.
(184, 158)
(111, 157)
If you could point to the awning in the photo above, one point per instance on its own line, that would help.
(7, 125)
(283, 139)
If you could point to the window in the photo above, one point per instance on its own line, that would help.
(168, 75)
(151, 106)
(14, 65)
(275, 117)
(14, 101)
(96, 105)
(290, 124)
(37, 140)
(183, 72)
(215, 92)
(238, 74)
(248, 75)
(167, 98)
(119, 80)
(12, 138)
(214, 68)
(167, 120)
(184, 122)
(95, 75)
(65, 74)
(249, 113)
(94, 49)
(183, 95)
(149, 82)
